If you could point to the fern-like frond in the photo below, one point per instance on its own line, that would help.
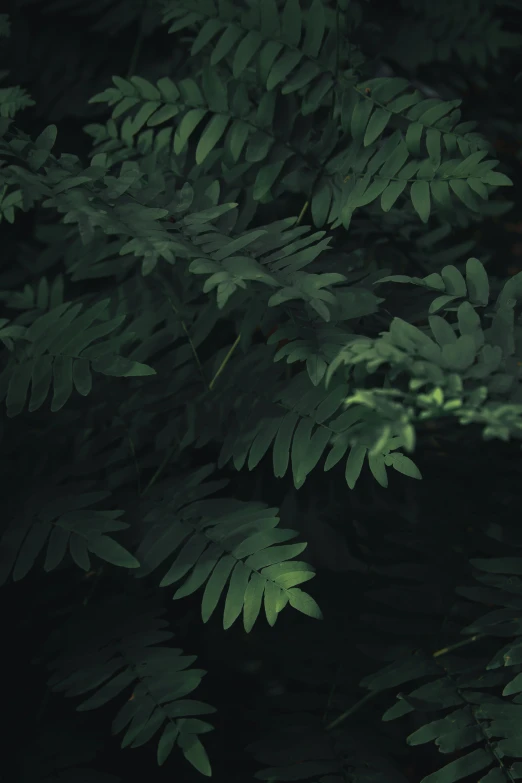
(433, 129)
(445, 32)
(477, 693)
(12, 99)
(225, 541)
(66, 524)
(303, 420)
(59, 350)
(451, 284)
(114, 651)
(43, 296)
(271, 36)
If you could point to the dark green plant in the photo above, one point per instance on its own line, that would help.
(262, 279)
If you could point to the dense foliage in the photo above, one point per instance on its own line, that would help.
(261, 351)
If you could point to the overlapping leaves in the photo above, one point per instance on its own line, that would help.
(113, 650)
(59, 527)
(300, 426)
(451, 284)
(269, 35)
(227, 542)
(59, 350)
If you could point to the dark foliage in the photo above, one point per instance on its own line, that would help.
(261, 326)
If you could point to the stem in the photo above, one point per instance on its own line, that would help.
(443, 651)
(224, 362)
(187, 335)
(302, 213)
(332, 691)
(446, 650)
(93, 587)
(138, 44)
(334, 723)
(136, 465)
(161, 468)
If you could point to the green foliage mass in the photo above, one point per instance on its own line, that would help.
(245, 291)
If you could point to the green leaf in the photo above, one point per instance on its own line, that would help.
(185, 560)
(478, 187)
(63, 384)
(321, 203)
(120, 367)
(205, 35)
(439, 302)
(282, 67)
(261, 540)
(360, 117)
(300, 445)
(454, 281)
(81, 375)
(225, 44)
(316, 368)
(164, 114)
(468, 319)
(388, 88)
(215, 585)
(477, 281)
(463, 191)
(146, 89)
(262, 441)
(245, 51)
(41, 378)
(435, 113)
(420, 198)
(434, 281)
(496, 178)
(378, 122)
(441, 193)
(200, 573)
(56, 548)
(109, 550)
(315, 27)
(186, 127)
(378, 469)
(291, 21)
(461, 354)
(210, 136)
(253, 600)
(271, 600)
(354, 464)
(273, 555)
(281, 452)
(391, 194)
(167, 742)
(372, 192)
(236, 138)
(47, 138)
(442, 330)
(413, 138)
(266, 177)
(433, 145)
(107, 692)
(195, 753)
(395, 160)
(304, 603)
(403, 464)
(236, 594)
(292, 578)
